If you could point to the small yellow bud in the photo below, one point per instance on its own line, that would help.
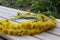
(28, 13)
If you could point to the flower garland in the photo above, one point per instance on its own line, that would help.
(41, 24)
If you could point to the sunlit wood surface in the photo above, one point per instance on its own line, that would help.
(54, 34)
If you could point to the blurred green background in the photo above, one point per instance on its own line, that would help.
(47, 7)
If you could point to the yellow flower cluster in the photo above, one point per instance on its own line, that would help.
(42, 23)
(26, 28)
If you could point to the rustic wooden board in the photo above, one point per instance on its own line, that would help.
(50, 35)
(47, 36)
(21, 37)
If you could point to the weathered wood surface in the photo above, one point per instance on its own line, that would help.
(54, 34)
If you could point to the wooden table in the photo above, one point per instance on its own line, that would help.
(54, 34)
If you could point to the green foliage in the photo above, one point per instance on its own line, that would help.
(48, 7)
(1, 2)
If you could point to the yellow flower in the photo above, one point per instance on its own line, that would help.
(37, 31)
(44, 17)
(4, 22)
(39, 18)
(53, 24)
(1, 28)
(55, 21)
(19, 25)
(30, 32)
(38, 24)
(47, 24)
(22, 32)
(12, 25)
(11, 32)
(19, 32)
(33, 31)
(52, 17)
(27, 24)
(28, 13)
(5, 31)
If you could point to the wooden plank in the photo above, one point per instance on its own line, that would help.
(1, 18)
(5, 15)
(47, 36)
(21, 37)
(58, 25)
(7, 12)
(56, 31)
(11, 11)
